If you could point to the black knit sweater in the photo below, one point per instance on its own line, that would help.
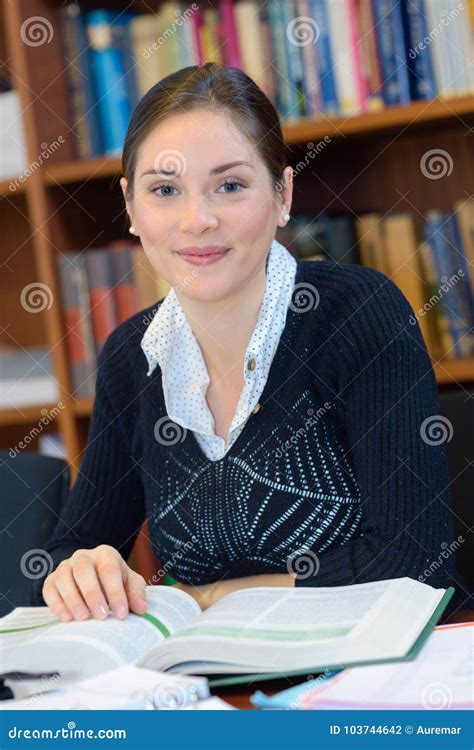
(337, 478)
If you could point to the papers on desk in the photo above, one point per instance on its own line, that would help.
(440, 677)
(128, 687)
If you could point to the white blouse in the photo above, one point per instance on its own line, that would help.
(170, 342)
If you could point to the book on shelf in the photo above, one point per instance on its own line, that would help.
(26, 377)
(266, 631)
(99, 289)
(312, 58)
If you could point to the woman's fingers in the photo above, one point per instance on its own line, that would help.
(54, 600)
(91, 581)
(135, 588)
(110, 572)
(68, 591)
(87, 582)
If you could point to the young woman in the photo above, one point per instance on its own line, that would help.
(269, 418)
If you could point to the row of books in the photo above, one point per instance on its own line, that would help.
(100, 288)
(431, 260)
(311, 57)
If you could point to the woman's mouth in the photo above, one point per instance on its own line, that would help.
(203, 260)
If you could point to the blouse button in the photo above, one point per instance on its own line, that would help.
(256, 408)
(251, 364)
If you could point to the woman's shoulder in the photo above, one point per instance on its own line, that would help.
(350, 287)
(123, 343)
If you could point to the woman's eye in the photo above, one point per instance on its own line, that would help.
(165, 186)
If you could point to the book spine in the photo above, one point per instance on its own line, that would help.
(436, 238)
(123, 284)
(324, 57)
(420, 65)
(110, 78)
(383, 25)
(102, 304)
(400, 52)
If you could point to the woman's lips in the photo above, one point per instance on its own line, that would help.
(203, 260)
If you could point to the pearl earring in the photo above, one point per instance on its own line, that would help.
(132, 230)
(286, 217)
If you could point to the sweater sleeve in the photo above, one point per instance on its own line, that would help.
(388, 401)
(106, 503)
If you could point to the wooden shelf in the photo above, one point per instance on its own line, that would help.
(83, 406)
(406, 116)
(79, 171)
(25, 414)
(454, 371)
(5, 191)
(300, 132)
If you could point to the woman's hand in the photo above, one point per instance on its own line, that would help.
(90, 581)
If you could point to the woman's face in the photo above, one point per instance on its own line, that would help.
(196, 205)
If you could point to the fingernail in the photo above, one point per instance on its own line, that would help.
(99, 611)
(80, 612)
(121, 611)
(64, 616)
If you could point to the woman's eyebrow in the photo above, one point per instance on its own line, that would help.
(216, 170)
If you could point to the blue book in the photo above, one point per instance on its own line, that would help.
(436, 235)
(419, 60)
(82, 96)
(391, 44)
(110, 75)
(460, 264)
(325, 58)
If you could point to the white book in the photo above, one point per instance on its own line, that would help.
(264, 630)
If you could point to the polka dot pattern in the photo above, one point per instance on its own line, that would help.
(170, 343)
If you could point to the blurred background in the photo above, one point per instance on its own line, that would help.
(376, 100)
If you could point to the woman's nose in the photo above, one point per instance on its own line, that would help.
(198, 216)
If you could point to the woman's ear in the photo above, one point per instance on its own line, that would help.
(123, 185)
(286, 196)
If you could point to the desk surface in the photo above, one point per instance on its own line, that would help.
(239, 695)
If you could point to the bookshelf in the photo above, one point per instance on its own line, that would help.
(372, 164)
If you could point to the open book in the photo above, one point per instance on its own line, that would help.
(266, 631)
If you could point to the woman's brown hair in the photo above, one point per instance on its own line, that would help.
(212, 87)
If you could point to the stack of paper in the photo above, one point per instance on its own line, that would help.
(440, 677)
(128, 687)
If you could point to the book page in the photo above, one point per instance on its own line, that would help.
(281, 613)
(441, 676)
(283, 629)
(58, 646)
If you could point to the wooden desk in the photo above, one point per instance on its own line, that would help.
(239, 695)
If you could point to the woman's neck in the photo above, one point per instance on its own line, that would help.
(223, 328)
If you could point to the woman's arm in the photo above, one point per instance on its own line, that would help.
(105, 505)
(388, 400)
